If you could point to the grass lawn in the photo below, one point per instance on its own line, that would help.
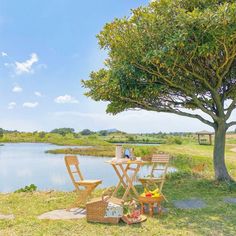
(217, 218)
(194, 154)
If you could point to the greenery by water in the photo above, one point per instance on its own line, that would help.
(23, 164)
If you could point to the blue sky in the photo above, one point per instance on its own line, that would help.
(46, 48)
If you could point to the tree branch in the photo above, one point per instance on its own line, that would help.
(166, 110)
(231, 124)
(195, 116)
(231, 107)
(171, 84)
(213, 91)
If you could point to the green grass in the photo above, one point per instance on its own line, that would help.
(218, 218)
(68, 139)
(101, 151)
(92, 139)
(196, 154)
(104, 151)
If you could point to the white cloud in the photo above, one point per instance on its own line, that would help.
(26, 66)
(17, 89)
(11, 105)
(30, 104)
(66, 99)
(38, 94)
(4, 54)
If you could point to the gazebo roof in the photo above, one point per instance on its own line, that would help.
(204, 132)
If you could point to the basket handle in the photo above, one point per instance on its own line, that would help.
(107, 194)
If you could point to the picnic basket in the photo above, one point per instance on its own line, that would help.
(97, 207)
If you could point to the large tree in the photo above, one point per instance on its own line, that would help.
(173, 56)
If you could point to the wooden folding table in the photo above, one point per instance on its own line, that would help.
(126, 180)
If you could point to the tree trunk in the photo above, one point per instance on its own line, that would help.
(221, 172)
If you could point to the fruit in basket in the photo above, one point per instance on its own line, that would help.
(136, 214)
(155, 191)
(156, 195)
(148, 194)
(143, 195)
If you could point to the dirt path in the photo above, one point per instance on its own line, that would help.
(233, 149)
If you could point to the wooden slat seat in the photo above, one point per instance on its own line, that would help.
(86, 182)
(150, 179)
(131, 168)
(72, 165)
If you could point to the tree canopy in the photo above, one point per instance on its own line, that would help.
(86, 132)
(63, 131)
(170, 55)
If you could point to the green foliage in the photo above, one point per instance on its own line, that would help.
(131, 138)
(103, 132)
(55, 138)
(26, 189)
(63, 131)
(100, 151)
(1, 133)
(41, 134)
(144, 151)
(86, 132)
(166, 50)
(179, 175)
(174, 140)
(93, 137)
(231, 186)
(153, 138)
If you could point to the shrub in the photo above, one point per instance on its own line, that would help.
(86, 132)
(174, 140)
(26, 189)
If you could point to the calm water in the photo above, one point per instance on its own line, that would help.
(27, 163)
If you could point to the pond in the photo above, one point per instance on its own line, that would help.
(27, 163)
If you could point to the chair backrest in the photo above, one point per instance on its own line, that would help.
(162, 159)
(72, 165)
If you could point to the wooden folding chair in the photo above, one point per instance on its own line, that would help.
(72, 165)
(159, 163)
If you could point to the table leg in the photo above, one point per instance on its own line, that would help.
(134, 175)
(121, 181)
(130, 181)
(159, 208)
(151, 209)
(142, 208)
(164, 197)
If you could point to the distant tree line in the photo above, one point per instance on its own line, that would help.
(86, 132)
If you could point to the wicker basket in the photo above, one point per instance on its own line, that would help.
(96, 210)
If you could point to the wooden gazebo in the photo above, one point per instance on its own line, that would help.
(204, 137)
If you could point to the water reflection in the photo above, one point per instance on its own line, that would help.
(27, 163)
